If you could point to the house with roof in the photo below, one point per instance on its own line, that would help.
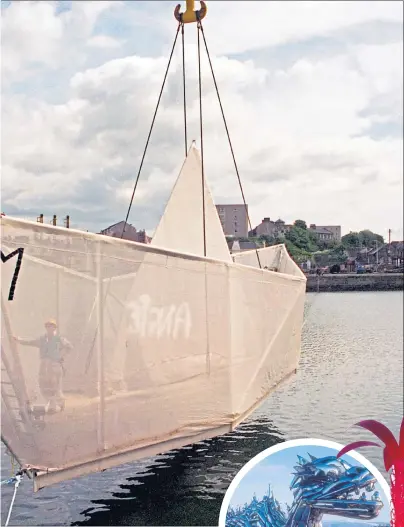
(397, 253)
(327, 233)
(129, 232)
(270, 228)
(390, 254)
(385, 255)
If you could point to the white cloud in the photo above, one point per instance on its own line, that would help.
(242, 26)
(30, 32)
(34, 34)
(103, 41)
(301, 132)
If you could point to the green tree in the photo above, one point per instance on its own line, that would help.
(269, 240)
(361, 239)
(298, 255)
(369, 238)
(302, 238)
(301, 224)
(337, 255)
(351, 240)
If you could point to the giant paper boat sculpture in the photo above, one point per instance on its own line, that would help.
(169, 347)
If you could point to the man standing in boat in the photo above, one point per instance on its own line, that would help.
(52, 349)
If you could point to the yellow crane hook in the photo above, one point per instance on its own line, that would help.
(190, 14)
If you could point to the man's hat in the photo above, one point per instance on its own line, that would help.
(51, 322)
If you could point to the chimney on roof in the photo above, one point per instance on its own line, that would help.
(313, 226)
(266, 220)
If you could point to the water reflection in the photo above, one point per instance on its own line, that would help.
(185, 487)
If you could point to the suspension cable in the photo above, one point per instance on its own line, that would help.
(199, 29)
(228, 133)
(201, 133)
(150, 131)
(184, 89)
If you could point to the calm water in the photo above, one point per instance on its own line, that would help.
(351, 369)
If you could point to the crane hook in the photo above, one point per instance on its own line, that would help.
(190, 14)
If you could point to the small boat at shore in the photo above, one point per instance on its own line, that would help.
(167, 343)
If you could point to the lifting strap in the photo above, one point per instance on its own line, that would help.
(190, 16)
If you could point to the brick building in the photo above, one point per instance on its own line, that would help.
(234, 220)
(270, 228)
(130, 233)
(327, 233)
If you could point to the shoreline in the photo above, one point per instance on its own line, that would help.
(355, 282)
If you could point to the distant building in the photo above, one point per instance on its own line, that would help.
(130, 233)
(234, 220)
(385, 255)
(388, 254)
(270, 228)
(327, 233)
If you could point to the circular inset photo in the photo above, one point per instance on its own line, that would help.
(302, 483)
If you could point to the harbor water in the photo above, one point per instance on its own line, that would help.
(351, 369)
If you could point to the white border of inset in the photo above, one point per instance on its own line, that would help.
(291, 444)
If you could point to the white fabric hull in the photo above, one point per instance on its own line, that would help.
(167, 348)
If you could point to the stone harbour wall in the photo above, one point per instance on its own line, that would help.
(355, 282)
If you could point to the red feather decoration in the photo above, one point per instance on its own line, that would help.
(393, 455)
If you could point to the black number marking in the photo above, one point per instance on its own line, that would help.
(4, 259)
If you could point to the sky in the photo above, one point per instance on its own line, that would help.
(276, 470)
(312, 93)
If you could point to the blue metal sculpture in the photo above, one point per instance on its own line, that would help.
(320, 486)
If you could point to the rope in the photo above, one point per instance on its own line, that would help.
(18, 479)
(8, 481)
(151, 129)
(227, 132)
(201, 132)
(184, 90)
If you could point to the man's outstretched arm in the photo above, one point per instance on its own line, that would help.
(35, 343)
